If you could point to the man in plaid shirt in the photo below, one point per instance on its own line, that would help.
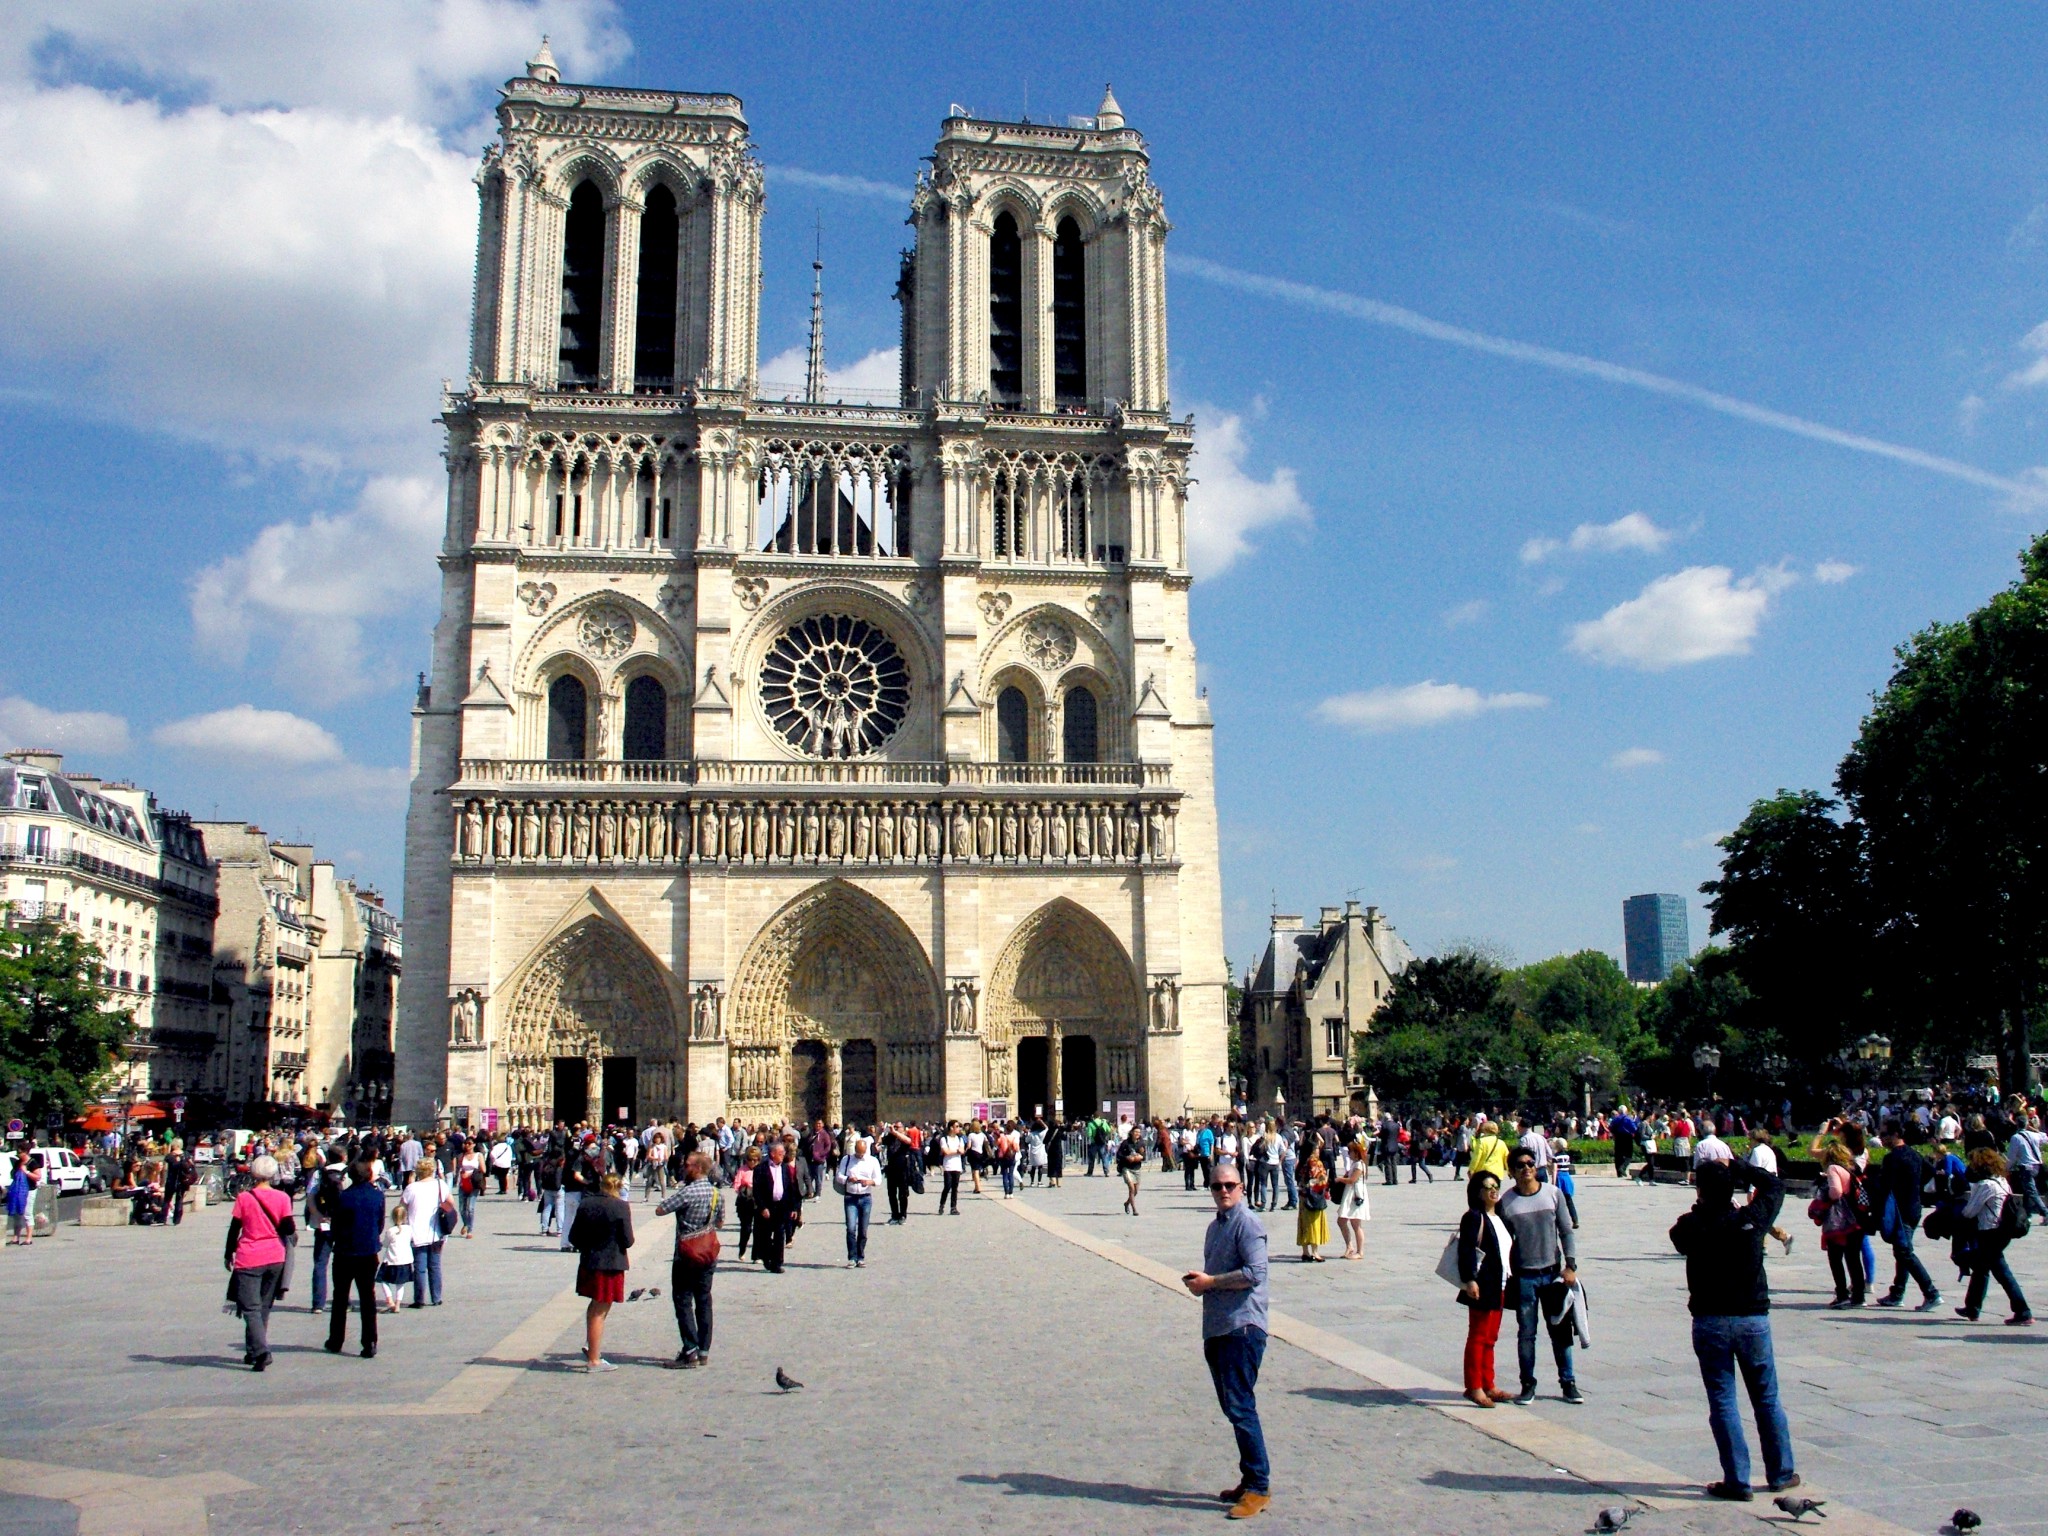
(698, 1207)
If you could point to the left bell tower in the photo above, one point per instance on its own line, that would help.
(615, 318)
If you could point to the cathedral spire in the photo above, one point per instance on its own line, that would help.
(814, 370)
(542, 65)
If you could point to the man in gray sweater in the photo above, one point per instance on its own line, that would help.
(1544, 1266)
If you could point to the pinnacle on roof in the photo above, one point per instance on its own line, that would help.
(1109, 115)
(542, 65)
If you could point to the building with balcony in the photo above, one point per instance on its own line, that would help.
(787, 755)
(1313, 990)
(263, 966)
(108, 861)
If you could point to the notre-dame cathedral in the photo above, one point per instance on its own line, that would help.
(810, 756)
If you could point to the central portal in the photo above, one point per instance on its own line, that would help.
(1034, 1075)
(807, 1080)
(572, 1089)
(1077, 1075)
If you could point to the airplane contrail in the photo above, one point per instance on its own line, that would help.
(1374, 312)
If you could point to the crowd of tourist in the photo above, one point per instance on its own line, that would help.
(375, 1210)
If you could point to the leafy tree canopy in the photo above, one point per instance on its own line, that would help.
(58, 1036)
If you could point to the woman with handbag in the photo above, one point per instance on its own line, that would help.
(1312, 1225)
(602, 1233)
(1130, 1162)
(1833, 1208)
(257, 1231)
(428, 1208)
(743, 1196)
(471, 1169)
(1483, 1245)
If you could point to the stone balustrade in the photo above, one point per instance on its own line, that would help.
(579, 829)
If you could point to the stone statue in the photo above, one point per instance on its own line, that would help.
(473, 831)
(465, 1019)
(960, 1008)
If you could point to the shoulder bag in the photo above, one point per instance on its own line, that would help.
(702, 1248)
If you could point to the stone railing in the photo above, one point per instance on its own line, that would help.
(482, 772)
(742, 828)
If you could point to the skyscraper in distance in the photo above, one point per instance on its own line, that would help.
(1654, 935)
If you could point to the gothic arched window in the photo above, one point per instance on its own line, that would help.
(1005, 313)
(1013, 726)
(1078, 730)
(582, 287)
(568, 715)
(646, 737)
(1069, 316)
(654, 321)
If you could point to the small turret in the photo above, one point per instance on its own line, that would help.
(542, 66)
(1108, 117)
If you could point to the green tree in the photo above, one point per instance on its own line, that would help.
(59, 1037)
(1947, 779)
(1586, 993)
(1796, 909)
(1442, 1016)
(1704, 1003)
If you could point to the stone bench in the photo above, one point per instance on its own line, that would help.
(103, 1211)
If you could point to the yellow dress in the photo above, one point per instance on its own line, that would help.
(1311, 1228)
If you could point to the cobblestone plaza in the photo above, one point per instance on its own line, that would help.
(937, 1399)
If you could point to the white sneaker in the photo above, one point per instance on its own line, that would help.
(602, 1365)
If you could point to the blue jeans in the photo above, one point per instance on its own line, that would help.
(465, 1207)
(426, 1273)
(323, 1246)
(1287, 1174)
(1009, 1171)
(858, 1209)
(550, 1211)
(1234, 1367)
(1724, 1344)
(1905, 1262)
(1528, 1314)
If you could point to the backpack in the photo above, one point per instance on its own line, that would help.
(2013, 1222)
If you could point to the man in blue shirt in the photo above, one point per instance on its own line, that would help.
(358, 1216)
(1232, 1285)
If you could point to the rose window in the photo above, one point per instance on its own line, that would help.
(835, 686)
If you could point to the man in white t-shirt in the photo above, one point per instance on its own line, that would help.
(1710, 1148)
(1950, 1128)
(1761, 1153)
(1536, 1142)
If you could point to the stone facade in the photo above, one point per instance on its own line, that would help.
(809, 756)
(1314, 990)
(135, 879)
(355, 996)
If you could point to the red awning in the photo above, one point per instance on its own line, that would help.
(148, 1111)
(97, 1121)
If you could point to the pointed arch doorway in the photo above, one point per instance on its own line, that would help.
(591, 1032)
(1063, 1002)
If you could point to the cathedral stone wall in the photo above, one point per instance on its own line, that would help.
(793, 757)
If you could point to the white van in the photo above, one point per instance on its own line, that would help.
(63, 1171)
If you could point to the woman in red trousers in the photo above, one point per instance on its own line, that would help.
(1483, 1247)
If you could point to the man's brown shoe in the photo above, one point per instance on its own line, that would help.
(1250, 1504)
(1231, 1495)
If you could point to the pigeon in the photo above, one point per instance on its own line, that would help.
(654, 1294)
(787, 1382)
(1798, 1509)
(1966, 1520)
(1610, 1520)
(638, 1292)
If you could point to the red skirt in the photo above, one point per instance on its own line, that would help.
(600, 1286)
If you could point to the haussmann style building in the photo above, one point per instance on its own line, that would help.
(797, 756)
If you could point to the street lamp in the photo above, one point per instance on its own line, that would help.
(127, 1098)
(1706, 1060)
(1482, 1075)
(1280, 1106)
(1590, 1067)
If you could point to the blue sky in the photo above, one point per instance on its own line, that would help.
(1493, 638)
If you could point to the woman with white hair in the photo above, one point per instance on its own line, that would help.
(257, 1229)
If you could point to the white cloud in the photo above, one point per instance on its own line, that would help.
(879, 372)
(27, 724)
(1632, 531)
(848, 186)
(1635, 757)
(423, 59)
(2036, 372)
(1467, 613)
(1418, 705)
(1832, 573)
(1969, 411)
(1226, 503)
(248, 735)
(1692, 615)
(292, 756)
(312, 585)
(1704, 840)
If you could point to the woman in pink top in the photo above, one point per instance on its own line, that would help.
(257, 1228)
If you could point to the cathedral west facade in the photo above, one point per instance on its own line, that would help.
(797, 757)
